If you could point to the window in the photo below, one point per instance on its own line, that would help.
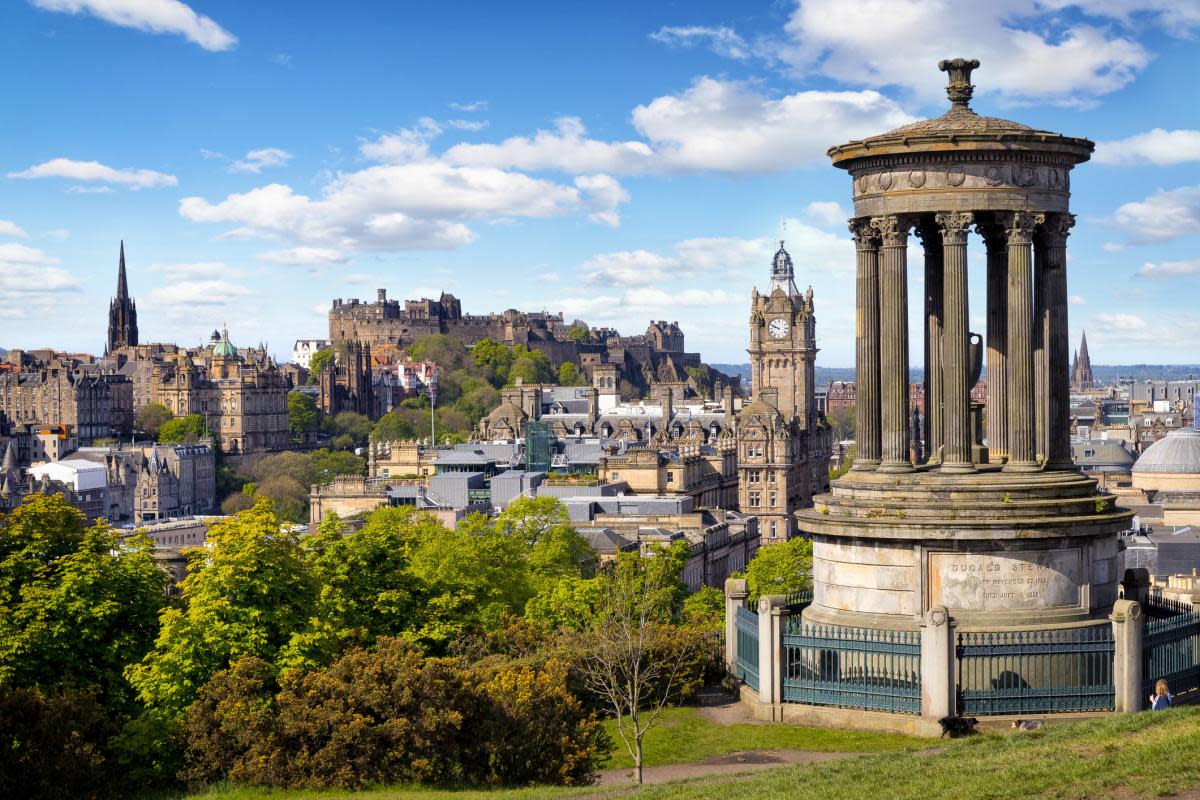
(771, 477)
(670, 477)
(773, 533)
(755, 498)
(774, 499)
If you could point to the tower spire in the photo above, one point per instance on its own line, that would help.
(122, 283)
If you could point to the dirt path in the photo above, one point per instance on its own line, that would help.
(721, 708)
(749, 761)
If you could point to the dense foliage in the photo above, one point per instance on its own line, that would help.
(151, 418)
(397, 651)
(183, 430)
(782, 568)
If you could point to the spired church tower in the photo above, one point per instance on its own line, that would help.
(783, 444)
(1081, 370)
(122, 314)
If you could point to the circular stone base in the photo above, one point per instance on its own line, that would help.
(998, 549)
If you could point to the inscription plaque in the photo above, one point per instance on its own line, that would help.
(1027, 579)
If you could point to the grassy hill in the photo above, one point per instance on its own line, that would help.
(1143, 755)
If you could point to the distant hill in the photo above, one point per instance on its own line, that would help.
(823, 374)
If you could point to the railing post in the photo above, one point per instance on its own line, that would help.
(772, 614)
(1135, 586)
(937, 663)
(1128, 623)
(735, 598)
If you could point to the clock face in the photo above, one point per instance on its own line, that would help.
(778, 328)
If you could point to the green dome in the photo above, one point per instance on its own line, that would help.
(224, 348)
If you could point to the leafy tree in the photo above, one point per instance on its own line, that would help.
(555, 549)
(579, 333)
(847, 463)
(327, 465)
(288, 496)
(842, 420)
(633, 658)
(247, 593)
(303, 416)
(76, 603)
(183, 430)
(393, 427)
(354, 425)
(705, 609)
(151, 418)
(317, 363)
(569, 603)
(568, 375)
(780, 569)
(366, 587)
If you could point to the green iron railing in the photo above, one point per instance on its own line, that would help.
(747, 647)
(1035, 672)
(798, 601)
(831, 665)
(1171, 646)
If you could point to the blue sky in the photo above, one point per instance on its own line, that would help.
(617, 162)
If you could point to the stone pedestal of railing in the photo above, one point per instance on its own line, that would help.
(1128, 623)
(772, 617)
(937, 663)
(735, 598)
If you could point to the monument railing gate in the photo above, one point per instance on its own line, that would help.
(862, 668)
(747, 647)
(1171, 646)
(1035, 672)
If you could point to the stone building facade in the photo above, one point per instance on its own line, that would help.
(49, 389)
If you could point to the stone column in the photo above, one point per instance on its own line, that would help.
(893, 333)
(1041, 364)
(1019, 226)
(1128, 627)
(1058, 420)
(938, 696)
(997, 339)
(866, 372)
(932, 241)
(956, 394)
(735, 598)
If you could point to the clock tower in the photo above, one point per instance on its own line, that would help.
(783, 443)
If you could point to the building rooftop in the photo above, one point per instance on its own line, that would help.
(1178, 452)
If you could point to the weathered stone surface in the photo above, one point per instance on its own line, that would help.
(1031, 579)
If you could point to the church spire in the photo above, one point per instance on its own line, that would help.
(1081, 370)
(122, 313)
(782, 273)
(122, 283)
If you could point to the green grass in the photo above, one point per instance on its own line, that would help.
(681, 735)
(1128, 756)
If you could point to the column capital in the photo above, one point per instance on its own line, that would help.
(893, 228)
(954, 225)
(1057, 228)
(994, 237)
(866, 237)
(1019, 226)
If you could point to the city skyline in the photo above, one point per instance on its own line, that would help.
(646, 170)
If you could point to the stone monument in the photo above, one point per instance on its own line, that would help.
(1005, 535)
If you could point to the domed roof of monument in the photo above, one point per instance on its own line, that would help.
(1178, 452)
(960, 126)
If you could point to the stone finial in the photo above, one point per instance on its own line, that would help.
(959, 90)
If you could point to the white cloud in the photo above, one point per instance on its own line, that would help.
(182, 297)
(1162, 216)
(1077, 300)
(416, 205)
(406, 144)
(1113, 247)
(473, 125)
(12, 229)
(1170, 269)
(303, 256)
(257, 160)
(1028, 50)
(727, 126)
(58, 233)
(827, 213)
(1156, 146)
(195, 271)
(89, 190)
(155, 16)
(628, 268)
(566, 148)
(709, 254)
(477, 105)
(722, 40)
(94, 171)
(30, 283)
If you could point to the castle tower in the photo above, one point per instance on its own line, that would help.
(1081, 371)
(122, 313)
